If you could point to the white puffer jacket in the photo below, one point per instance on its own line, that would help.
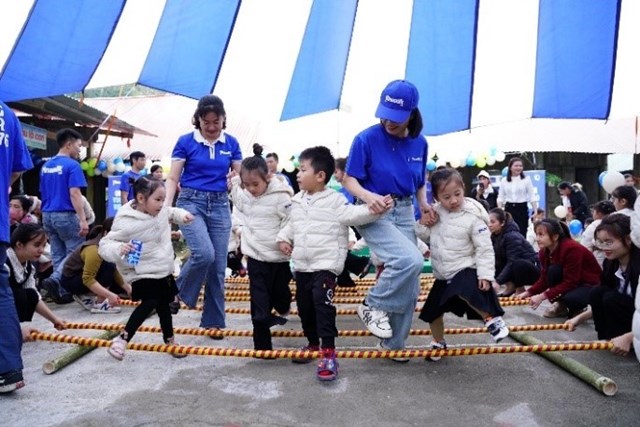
(635, 237)
(156, 257)
(264, 217)
(318, 229)
(460, 240)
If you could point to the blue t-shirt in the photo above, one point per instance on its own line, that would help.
(57, 176)
(125, 187)
(348, 195)
(14, 157)
(384, 164)
(206, 167)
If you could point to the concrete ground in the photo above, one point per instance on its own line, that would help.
(153, 389)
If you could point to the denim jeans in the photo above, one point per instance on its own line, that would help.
(208, 239)
(11, 335)
(392, 239)
(63, 229)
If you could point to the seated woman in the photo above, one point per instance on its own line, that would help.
(27, 244)
(569, 271)
(86, 274)
(612, 303)
(19, 210)
(517, 264)
(598, 211)
(624, 198)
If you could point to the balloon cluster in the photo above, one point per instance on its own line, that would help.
(610, 180)
(95, 167)
(472, 159)
(292, 163)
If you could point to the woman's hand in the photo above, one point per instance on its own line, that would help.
(114, 300)
(285, 248)
(572, 324)
(536, 300)
(26, 333)
(429, 215)
(484, 285)
(622, 344)
(378, 204)
(59, 324)
(522, 295)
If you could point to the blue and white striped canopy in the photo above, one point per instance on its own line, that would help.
(477, 63)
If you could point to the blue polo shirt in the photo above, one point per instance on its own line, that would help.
(14, 157)
(57, 176)
(384, 164)
(206, 165)
(125, 187)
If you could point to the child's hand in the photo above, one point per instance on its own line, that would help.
(285, 248)
(60, 324)
(187, 219)
(176, 235)
(126, 249)
(484, 285)
(427, 254)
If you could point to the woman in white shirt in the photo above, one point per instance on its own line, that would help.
(516, 191)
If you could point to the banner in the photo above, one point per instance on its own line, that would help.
(539, 180)
(113, 195)
(35, 137)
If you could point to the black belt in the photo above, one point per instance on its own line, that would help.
(399, 198)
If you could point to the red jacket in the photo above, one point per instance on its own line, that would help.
(579, 267)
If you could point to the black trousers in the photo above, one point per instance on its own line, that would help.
(612, 312)
(352, 264)
(524, 273)
(269, 290)
(520, 214)
(25, 301)
(152, 294)
(314, 297)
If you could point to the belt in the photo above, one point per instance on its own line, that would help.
(399, 198)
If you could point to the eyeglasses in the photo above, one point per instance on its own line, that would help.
(605, 244)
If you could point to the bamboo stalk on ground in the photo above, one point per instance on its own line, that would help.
(70, 356)
(603, 384)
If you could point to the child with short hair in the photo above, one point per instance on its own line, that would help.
(145, 218)
(264, 201)
(316, 238)
(27, 244)
(462, 259)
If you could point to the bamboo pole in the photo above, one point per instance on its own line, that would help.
(70, 356)
(603, 384)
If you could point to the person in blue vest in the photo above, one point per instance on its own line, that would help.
(389, 158)
(200, 163)
(63, 214)
(138, 163)
(14, 159)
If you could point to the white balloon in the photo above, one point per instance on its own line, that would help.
(105, 173)
(288, 166)
(500, 156)
(612, 180)
(97, 172)
(455, 163)
(560, 212)
(120, 167)
(491, 161)
(111, 167)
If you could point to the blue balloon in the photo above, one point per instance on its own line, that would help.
(431, 165)
(117, 160)
(505, 170)
(601, 177)
(471, 161)
(575, 227)
(493, 151)
(102, 165)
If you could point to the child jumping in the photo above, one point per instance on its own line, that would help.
(316, 237)
(146, 219)
(264, 202)
(462, 259)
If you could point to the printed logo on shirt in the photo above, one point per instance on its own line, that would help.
(415, 159)
(227, 153)
(57, 169)
(483, 229)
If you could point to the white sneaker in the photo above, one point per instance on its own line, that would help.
(117, 348)
(436, 345)
(497, 328)
(105, 308)
(376, 321)
(85, 301)
(380, 347)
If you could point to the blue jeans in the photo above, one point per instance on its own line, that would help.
(11, 334)
(392, 239)
(208, 240)
(63, 229)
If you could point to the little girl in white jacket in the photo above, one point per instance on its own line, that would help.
(147, 220)
(462, 259)
(264, 202)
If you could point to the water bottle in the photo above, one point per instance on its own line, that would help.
(133, 258)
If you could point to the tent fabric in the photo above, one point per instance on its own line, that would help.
(480, 65)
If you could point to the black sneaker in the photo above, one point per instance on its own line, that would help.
(11, 381)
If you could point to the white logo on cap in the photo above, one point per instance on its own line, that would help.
(398, 101)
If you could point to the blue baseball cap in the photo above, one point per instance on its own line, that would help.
(397, 100)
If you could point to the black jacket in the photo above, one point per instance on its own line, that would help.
(509, 246)
(579, 205)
